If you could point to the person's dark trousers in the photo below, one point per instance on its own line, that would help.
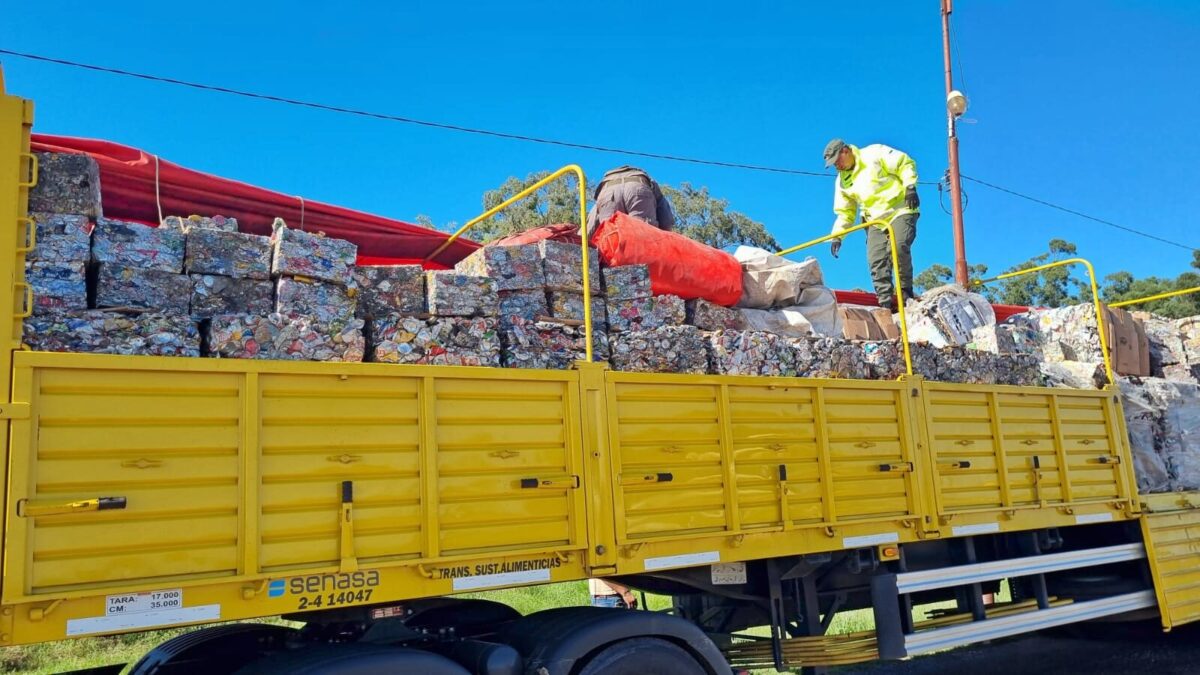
(879, 258)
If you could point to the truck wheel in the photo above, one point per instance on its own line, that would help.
(214, 650)
(354, 659)
(642, 656)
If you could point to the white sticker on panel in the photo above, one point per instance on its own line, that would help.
(685, 560)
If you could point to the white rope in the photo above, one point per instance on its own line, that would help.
(157, 192)
(301, 212)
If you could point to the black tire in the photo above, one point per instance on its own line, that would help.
(354, 659)
(642, 656)
(215, 650)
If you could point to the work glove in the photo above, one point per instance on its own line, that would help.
(911, 200)
(835, 246)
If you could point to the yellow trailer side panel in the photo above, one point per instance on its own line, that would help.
(1171, 529)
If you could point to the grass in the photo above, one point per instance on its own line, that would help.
(55, 657)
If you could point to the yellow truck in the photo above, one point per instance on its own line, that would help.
(152, 492)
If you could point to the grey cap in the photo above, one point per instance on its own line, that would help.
(832, 149)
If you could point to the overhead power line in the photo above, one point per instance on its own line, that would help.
(530, 139)
(1080, 214)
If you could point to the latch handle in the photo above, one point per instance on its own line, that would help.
(566, 483)
(31, 509)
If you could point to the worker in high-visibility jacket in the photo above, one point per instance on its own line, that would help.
(881, 183)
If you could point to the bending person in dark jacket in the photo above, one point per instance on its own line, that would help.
(630, 190)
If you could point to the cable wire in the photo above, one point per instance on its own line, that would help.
(534, 139)
(1073, 212)
(410, 120)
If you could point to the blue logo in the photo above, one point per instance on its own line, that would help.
(276, 588)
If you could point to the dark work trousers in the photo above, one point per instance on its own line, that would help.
(879, 258)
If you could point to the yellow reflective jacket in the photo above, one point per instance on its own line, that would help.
(876, 185)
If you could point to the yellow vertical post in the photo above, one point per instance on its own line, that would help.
(1096, 304)
(886, 227)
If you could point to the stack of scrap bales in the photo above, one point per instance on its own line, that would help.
(310, 315)
(1163, 420)
(125, 258)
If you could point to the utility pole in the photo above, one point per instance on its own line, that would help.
(956, 105)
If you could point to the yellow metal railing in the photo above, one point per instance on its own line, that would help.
(1151, 298)
(886, 227)
(1108, 370)
(587, 286)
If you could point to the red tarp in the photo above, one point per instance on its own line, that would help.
(127, 178)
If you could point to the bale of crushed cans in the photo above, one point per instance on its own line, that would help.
(568, 306)
(541, 344)
(305, 254)
(707, 315)
(102, 332)
(192, 222)
(284, 337)
(449, 341)
(627, 282)
(529, 305)
(1168, 354)
(738, 352)
(512, 268)
(829, 357)
(213, 295)
(1007, 338)
(230, 254)
(323, 301)
(645, 313)
(61, 238)
(453, 294)
(562, 267)
(1163, 421)
(135, 245)
(1073, 374)
(390, 289)
(665, 349)
(66, 183)
(57, 285)
(142, 288)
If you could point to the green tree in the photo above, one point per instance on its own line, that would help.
(1124, 286)
(1055, 287)
(704, 218)
(939, 275)
(698, 214)
(557, 202)
(425, 221)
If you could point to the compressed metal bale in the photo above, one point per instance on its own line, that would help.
(135, 245)
(57, 285)
(230, 254)
(305, 254)
(1180, 406)
(1006, 338)
(666, 349)
(213, 294)
(1145, 422)
(1073, 374)
(529, 305)
(102, 332)
(706, 315)
(66, 183)
(627, 282)
(645, 313)
(562, 267)
(885, 359)
(61, 238)
(452, 341)
(735, 352)
(1165, 342)
(568, 305)
(284, 337)
(390, 289)
(829, 357)
(946, 316)
(453, 294)
(142, 288)
(541, 344)
(323, 301)
(192, 222)
(1022, 370)
(513, 268)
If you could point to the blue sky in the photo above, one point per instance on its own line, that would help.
(1088, 104)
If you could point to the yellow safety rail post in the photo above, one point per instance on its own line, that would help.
(582, 180)
(1151, 298)
(887, 227)
(1108, 370)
